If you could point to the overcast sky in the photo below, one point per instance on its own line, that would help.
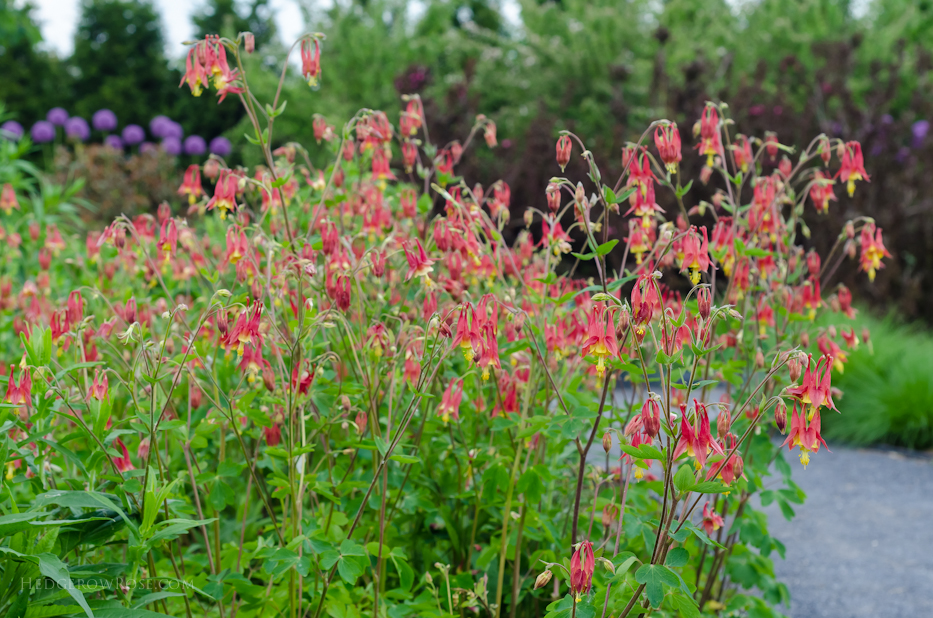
(58, 20)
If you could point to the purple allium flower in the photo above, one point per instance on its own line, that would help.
(76, 128)
(12, 130)
(133, 134)
(158, 124)
(43, 131)
(114, 142)
(172, 146)
(919, 130)
(903, 154)
(58, 116)
(221, 146)
(194, 145)
(173, 129)
(104, 120)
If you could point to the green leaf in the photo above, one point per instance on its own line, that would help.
(564, 609)
(677, 557)
(655, 577)
(644, 451)
(405, 573)
(709, 487)
(682, 191)
(53, 568)
(607, 246)
(531, 485)
(349, 569)
(174, 529)
(685, 605)
(684, 479)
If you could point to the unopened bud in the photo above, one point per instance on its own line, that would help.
(553, 197)
(249, 42)
(625, 320)
(759, 359)
(222, 324)
(529, 217)
(579, 194)
(345, 403)
(704, 303)
(543, 579)
(793, 368)
(805, 340)
(723, 422)
(607, 441)
(607, 563)
(268, 379)
(780, 416)
(866, 335)
(850, 230)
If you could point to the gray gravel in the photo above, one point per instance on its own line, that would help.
(862, 544)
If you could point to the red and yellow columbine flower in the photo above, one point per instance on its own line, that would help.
(712, 521)
(742, 152)
(830, 349)
(8, 199)
(450, 401)
(419, 264)
(696, 440)
(225, 193)
(98, 388)
(468, 333)
(168, 239)
(246, 329)
(18, 394)
(667, 139)
(195, 73)
(710, 142)
(805, 435)
(695, 254)
(821, 192)
(582, 565)
(311, 61)
(601, 338)
(237, 245)
(191, 185)
(815, 390)
(853, 166)
(873, 250)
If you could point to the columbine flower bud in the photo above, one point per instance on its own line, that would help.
(268, 379)
(780, 416)
(222, 324)
(793, 368)
(345, 403)
(529, 217)
(553, 197)
(563, 151)
(805, 340)
(705, 174)
(651, 417)
(608, 564)
(723, 422)
(704, 303)
(850, 230)
(607, 441)
(543, 579)
(249, 42)
(759, 359)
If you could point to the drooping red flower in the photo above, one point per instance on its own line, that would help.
(468, 335)
(224, 193)
(821, 192)
(805, 435)
(582, 565)
(853, 166)
(667, 139)
(815, 390)
(564, 146)
(711, 520)
(98, 388)
(311, 61)
(450, 401)
(191, 185)
(873, 250)
(419, 264)
(601, 338)
(710, 140)
(695, 254)
(696, 440)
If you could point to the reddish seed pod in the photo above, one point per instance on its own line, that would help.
(651, 418)
(607, 441)
(553, 197)
(249, 42)
(222, 324)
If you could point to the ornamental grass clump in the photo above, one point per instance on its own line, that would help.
(339, 391)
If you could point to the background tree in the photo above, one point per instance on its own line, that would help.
(119, 62)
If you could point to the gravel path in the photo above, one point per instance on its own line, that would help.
(862, 544)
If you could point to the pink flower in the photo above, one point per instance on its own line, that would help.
(582, 565)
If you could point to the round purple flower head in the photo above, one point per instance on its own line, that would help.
(43, 131)
(104, 120)
(57, 116)
(172, 146)
(158, 125)
(76, 128)
(194, 145)
(920, 130)
(11, 130)
(114, 142)
(221, 146)
(133, 134)
(173, 129)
